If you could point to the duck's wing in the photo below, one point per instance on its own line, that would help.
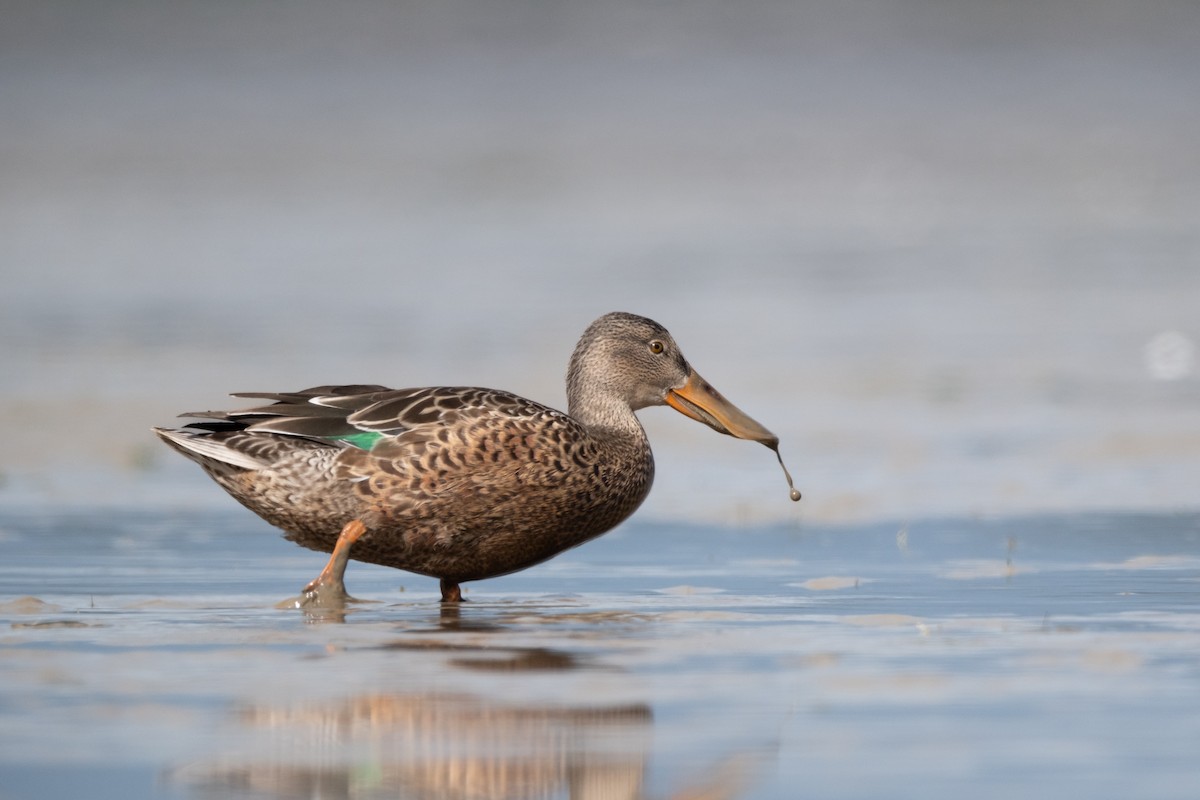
(361, 415)
(235, 438)
(387, 422)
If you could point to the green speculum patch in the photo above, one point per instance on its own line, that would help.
(364, 440)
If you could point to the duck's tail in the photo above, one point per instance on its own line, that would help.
(213, 445)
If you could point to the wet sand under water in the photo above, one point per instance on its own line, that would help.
(141, 655)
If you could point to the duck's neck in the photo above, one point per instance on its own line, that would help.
(604, 414)
(595, 397)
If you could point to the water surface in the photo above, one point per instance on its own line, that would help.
(1031, 656)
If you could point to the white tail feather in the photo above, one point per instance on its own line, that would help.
(193, 445)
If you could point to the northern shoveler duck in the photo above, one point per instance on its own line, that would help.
(456, 483)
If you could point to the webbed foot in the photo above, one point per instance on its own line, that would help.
(328, 590)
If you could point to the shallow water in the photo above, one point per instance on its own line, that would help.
(143, 656)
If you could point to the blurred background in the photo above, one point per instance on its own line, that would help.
(949, 252)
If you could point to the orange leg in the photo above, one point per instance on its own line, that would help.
(450, 592)
(329, 589)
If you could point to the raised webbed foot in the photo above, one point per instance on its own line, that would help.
(328, 591)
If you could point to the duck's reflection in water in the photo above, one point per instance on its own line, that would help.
(435, 746)
(447, 745)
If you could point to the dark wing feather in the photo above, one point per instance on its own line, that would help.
(358, 415)
(326, 401)
(339, 414)
(308, 395)
(311, 427)
(318, 414)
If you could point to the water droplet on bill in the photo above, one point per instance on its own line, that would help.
(794, 493)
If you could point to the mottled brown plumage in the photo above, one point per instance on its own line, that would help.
(460, 483)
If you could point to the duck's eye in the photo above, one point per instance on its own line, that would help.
(656, 347)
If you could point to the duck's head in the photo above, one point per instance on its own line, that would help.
(636, 361)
